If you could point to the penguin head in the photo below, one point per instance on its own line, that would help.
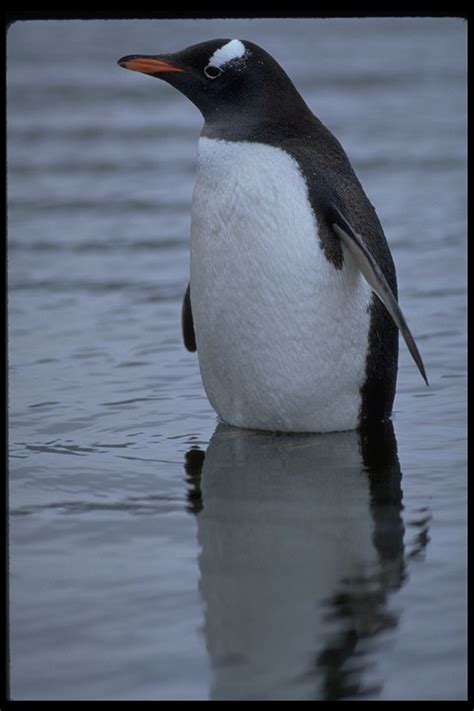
(223, 78)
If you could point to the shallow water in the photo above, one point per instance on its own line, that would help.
(178, 558)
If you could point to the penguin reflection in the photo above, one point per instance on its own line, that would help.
(301, 542)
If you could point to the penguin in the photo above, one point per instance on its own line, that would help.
(292, 301)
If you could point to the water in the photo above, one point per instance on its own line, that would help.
(272, 567)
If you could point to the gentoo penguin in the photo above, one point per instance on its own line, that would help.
(292, 304)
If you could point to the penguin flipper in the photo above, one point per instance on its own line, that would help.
(187, 323)
(374, 276)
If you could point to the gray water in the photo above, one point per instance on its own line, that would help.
(180, 559)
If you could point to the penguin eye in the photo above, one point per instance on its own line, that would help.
(212, 72)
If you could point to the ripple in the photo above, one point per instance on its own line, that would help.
(61, 449)
(133, 363)
(128, 402)
(113, 206)
(123, 245)
(156, 504)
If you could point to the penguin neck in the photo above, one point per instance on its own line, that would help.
(260, 116)
(269, 127)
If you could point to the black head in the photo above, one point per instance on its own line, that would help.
(228, 81)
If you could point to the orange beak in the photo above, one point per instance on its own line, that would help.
(147, 65)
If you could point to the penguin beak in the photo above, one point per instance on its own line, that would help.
(147, 65)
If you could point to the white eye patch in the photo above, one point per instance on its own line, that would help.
(235, 49)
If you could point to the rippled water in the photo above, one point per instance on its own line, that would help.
(177, 560)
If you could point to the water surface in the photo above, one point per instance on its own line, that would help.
(179, 558)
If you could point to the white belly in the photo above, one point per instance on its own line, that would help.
(282, 335)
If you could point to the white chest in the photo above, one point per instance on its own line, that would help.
(282, 335)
